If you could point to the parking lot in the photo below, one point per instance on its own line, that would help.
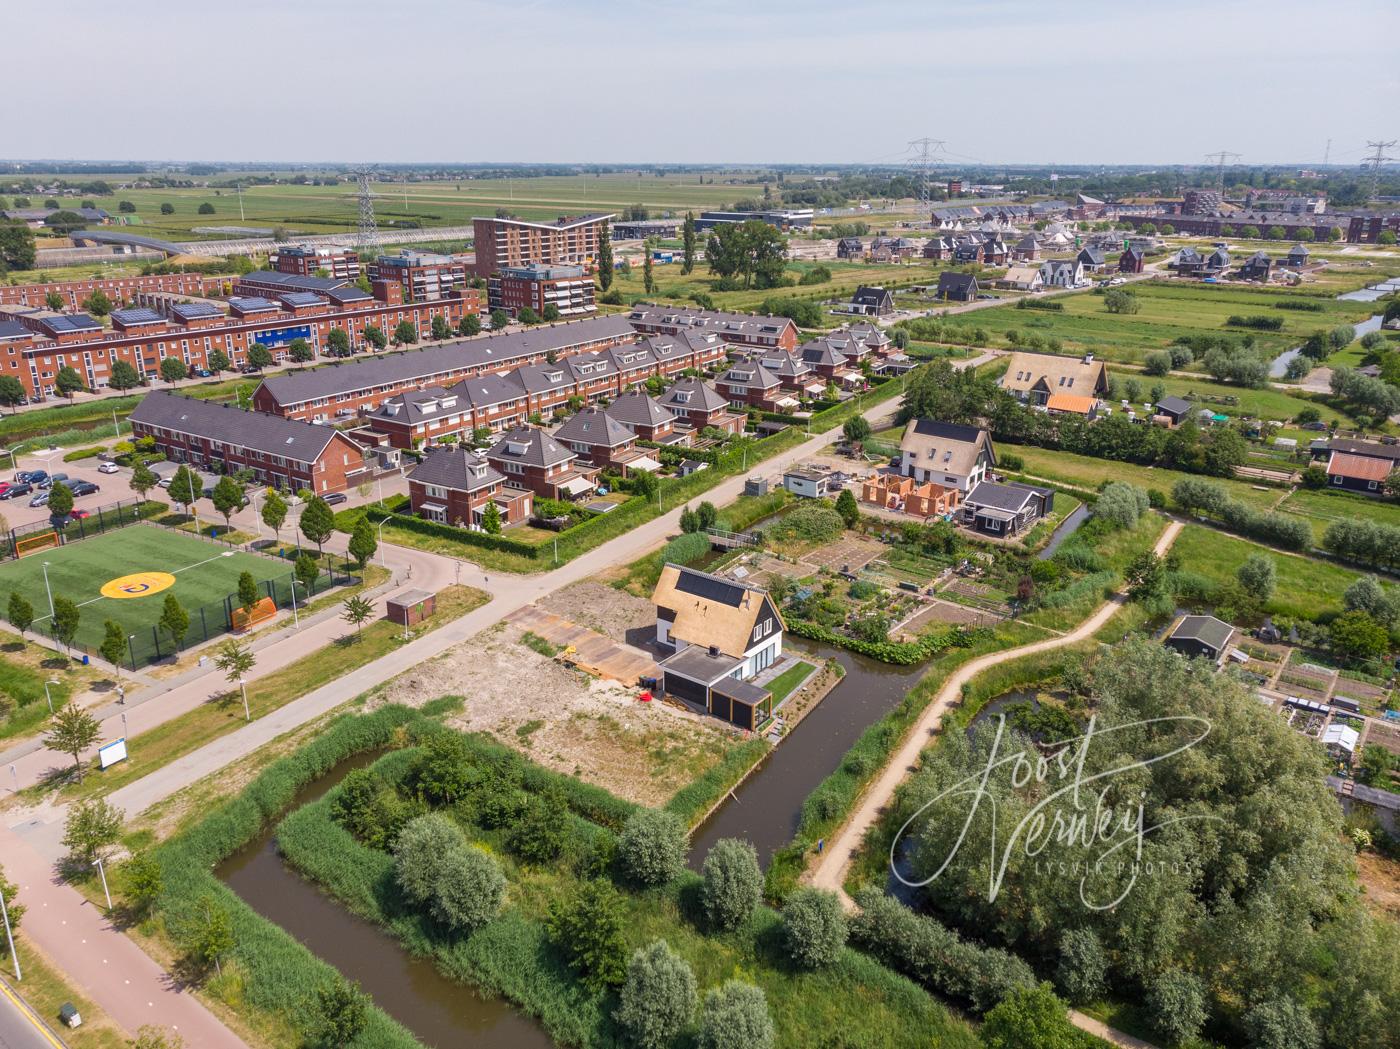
(112, 487)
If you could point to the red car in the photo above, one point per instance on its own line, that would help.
(78, 515)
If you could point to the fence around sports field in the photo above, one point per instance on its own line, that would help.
(102, 519)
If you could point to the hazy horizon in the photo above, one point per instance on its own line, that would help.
(1004, 82)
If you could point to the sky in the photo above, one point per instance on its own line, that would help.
(708, 81)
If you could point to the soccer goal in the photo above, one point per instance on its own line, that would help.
(38, 541)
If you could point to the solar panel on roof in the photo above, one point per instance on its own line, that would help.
(710, 588)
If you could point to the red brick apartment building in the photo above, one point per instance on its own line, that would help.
(304, 261)
(505, 243)
(737, 329)
(118, 289)
(281, 452)
(420, 275)
(567, 288)
(162, 327)
(454, 485)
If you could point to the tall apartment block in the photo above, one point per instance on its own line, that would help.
(508, 243)
(567, 288)
(423, 276)
(342, 264)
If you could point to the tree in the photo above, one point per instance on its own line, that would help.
(751, 250)
(259, 357)
(421, 854)
(143, 880)
(1030, 1016)
(847, 508)
(185, 488)
(113, 647)
(212, 934)
(1357, 637)
(344, 1012)
(206, 208)
(124, 377)
(98, 303)
(126, 207)
(1386, 237)
(143, 479)
(1281, 1023)
(64, 624)
(60, 500)
(658, 997)
(1367, 595)
(648, 275)
(856, 429)
(405, 333)
(307, 572)
(64, 222)
(218, 361)
(1083, 966)
(19, 612)
(1146, 577)
(92, 826)
(652, 847)
(814, 927)
(69, 382)
(469, 889)
(274, 512)
(500, 319)
(732, 883)
(174, 620)
(356, 612)
(227, 497)
(167, 208)
(605, 263)
(300, 352)
(1177, 1001)
(525, 315)
(1257, 577)
(539, 833)
(363, 543)
(71, 732)
(586, 926)
(338, 343)
(735, 1016)
(469, 325)
(317, 521)
(374, 335)
(16, 246)
(439, 327)
(491, 519)
(1158, 363)
(1119, 301)
(551, 313)
(248, 592)
(1121, 504)
(12, 390)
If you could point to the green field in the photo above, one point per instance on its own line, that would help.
(1167, 311)
(205, 573)
(1322, 507)
(1085, 471)
(1268, 403)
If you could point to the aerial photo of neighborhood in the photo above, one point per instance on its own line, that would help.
(869, 528)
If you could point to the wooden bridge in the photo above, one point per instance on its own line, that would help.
(722, 540)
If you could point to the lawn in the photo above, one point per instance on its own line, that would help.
(1166, 311)
(788, 680)
(1323, 506)
(205, 573)
(1085, 471)
(1268, 403)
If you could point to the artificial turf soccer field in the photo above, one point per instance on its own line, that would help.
(204, 575)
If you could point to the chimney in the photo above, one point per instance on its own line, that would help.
(714, 650)
(1089, 358)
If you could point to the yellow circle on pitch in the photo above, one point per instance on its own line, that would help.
(141, 584)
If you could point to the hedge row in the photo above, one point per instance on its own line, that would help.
(903, 653)
(280, 976)
(697, 797)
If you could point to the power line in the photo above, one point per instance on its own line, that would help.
(1220, 156)
(1376, 159)
(368, 239)
(922, 161)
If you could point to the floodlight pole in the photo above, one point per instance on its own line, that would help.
(296, 619)
(10, 936)
(383, 556)
(48, 590)
(243, 686)
(102, 871)
(50, 681)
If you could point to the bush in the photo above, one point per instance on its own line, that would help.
(1257, 322)
(1083, 966)
(735, 1016)
(469, 889)
(814, 927)
(586, 926)
(652, 847)
(1177, 1001)
(815, 520)
(732, 885)
(82, 453)
(1030, 1016)
(1159, 363)
(1121, 504)
(1281, 1023)
(1196, 496)
(686, 548)
(1364, 542)
(422, 855)
(658, 998)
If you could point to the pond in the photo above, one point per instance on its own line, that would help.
(1279, 368)
(440, 1012)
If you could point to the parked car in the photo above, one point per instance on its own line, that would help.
(78, 515)
(334, 498)
(37, 477)
(164, 482)
(48, 481)
(5, 486)
(14, 491)
(24, 475)
(108, 468)
(42, 499)
(84, 488)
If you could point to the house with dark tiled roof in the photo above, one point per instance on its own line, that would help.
(1218, 261)
(1187, 262)
(947, 454)
(1201, 637)
(1257, 267)
(850, 248)
(827, 359)
(531, 458)
(697, 406)
(741, 329)
(596, 437)
(1005, 510)
(957, 287)
(872, 301)
(747, 384)
(1092, 259)
(455, 485)
(1062, 273)
(282, 453)
(645, 417)
(1299, 256)
(1131, 261)
(1027, 249)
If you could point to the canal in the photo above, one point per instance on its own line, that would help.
(1279, 367)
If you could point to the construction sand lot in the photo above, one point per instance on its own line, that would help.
(595, 729)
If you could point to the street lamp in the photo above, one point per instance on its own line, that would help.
(101, 870)
(296, 619)
(243, 685)
(47, 589)
(10, 937)
(383, 557)
(50, 681)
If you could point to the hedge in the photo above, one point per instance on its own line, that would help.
(904, 653)
(693, 801)
(83, 453)
(279, 974)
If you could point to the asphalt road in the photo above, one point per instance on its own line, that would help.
(20, 1028)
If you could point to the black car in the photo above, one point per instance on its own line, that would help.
(24, 475)
(17, 490)
(335, 497)
(84, 488)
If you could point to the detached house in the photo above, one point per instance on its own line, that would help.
(1131, 261)
(1218, 261)
(1027, 249)
(1257, 267)
(947, 454)
(850, 248)
(530, 458)
(596, 437)
(957, 287)
(723, 633)
(1062, 273)
(1022, 278)
(1188, 262)
(454, 485)
(1298, 256)
(1092, 259)
(1035, 377)
(697, 406)
(1358, 466)
(872, 301)
(1005, 509)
